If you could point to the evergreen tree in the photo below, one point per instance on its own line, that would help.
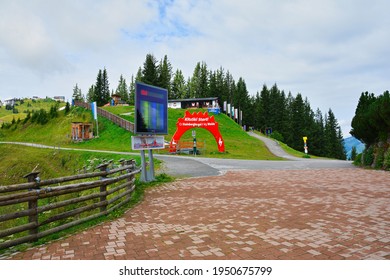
(334, 147)
(242, 102)
(361, 127)
(165, 74)
(98, 90)
(317, 136)
(353, 153)
(221, 91)
(264, 108)
(77, 95)
(122, 90)
(229, 87)
(139, 77)
(297, 123)
(178, 86)
(91, 94)
(132, 91)
(213, 86)
(106, 88)
(67, 108)
(195, 82)
(150, 71)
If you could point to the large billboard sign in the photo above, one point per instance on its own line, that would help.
(151, 106)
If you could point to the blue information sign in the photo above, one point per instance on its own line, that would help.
(151, 107)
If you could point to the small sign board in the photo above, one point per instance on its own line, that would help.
(139, 143)
(214, 110)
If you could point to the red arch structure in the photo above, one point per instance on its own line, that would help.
(197, 119)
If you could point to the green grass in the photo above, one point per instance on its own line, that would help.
(17, 161)
(238, 144)
(28, 105)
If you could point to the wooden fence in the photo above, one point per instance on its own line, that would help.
(33, 210)
(129, 126)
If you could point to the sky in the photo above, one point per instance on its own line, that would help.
(329, 51)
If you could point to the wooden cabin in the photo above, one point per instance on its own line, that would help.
(82, 131)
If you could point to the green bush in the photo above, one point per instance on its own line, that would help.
(368, 156)
(358, 160)
(380, 157)
(277, 136)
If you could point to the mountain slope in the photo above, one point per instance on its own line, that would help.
(351, 142)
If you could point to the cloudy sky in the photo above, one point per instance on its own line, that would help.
(329, 51)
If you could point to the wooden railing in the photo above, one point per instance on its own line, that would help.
(33, 210)
(129, 126)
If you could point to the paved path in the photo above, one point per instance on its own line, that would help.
(274, 147)
(247, 214)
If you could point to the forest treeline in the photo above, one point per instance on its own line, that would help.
(290, 117)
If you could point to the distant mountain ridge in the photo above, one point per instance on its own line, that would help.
(350, 142)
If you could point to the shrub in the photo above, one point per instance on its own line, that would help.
(380, 157)
(277, 136)
(368, 156)
(358, 160)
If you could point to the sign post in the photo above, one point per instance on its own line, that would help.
(194, 137)
(305, 145)
(151, 119)
(95, 117)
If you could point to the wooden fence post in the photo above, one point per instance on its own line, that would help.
(131, 164)
(33, 204)
(103, 187)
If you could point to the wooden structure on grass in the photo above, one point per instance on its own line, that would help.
(82, 131)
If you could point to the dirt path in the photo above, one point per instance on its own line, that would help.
(266, 214)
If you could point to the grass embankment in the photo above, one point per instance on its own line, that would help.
(57, 132)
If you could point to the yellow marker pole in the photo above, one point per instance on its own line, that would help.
(305, 146)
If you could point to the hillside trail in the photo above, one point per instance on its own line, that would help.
(274, 147)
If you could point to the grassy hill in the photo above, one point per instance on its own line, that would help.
(21, 108)
(111, 137)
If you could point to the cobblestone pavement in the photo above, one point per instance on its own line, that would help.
(269, 214)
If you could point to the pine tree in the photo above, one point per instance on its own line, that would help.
(229, 86)
(98, 89)
(334, 147)
(122, 90)
(317, 136)
(297, 123)
(132, 91)
(106, 88)
(150, 71)
(242, 101)
(178, 86)
(361, 127)
(353, 153)
(165, 74)
(195, 82)
(77, 95)
(91, 94)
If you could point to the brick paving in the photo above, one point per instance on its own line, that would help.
(278, 214)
